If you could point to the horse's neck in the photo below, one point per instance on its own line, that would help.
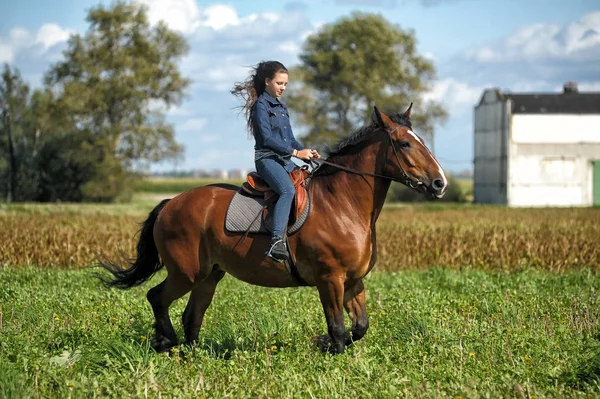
(362, 196)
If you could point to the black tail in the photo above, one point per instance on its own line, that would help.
(147, 262)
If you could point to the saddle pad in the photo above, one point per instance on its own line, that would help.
(243, 212)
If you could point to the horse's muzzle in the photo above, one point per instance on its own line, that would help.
(438, 188)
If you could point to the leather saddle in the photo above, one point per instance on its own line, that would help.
(255, 186)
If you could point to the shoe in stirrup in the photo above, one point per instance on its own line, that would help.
(278, 250)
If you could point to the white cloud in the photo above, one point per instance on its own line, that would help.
(392, 3)
(185, 16)
(51, 34)
(20, 37)
(267, 16)
(180, 111)
(6, 52)
(180, 15)
(458, 96)
(589, 86)
(223, 49)
(223, 44)
(289, 47)
(36, 47)
(191, 125)
(579, 40)
(429, 56)
(374, 3)
(534, 58)
(219, 16)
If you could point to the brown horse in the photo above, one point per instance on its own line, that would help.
(335, 249)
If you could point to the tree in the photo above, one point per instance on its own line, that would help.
(111, 90)
(15, 138)
(353, 64)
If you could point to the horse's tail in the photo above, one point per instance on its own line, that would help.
(147, 261)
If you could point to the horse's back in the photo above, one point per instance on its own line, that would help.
(192, 212)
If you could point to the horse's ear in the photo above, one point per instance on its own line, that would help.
(376, 117)
(379, 119)
(407, 112)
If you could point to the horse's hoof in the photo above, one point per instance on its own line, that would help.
(326, 345)
(162, 344)
(337, 350)
(322, 342)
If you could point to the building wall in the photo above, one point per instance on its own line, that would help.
(490, 151)
(551, 159)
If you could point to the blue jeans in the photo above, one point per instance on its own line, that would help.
(278, 179)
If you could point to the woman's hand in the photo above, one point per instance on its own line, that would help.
(306, 154)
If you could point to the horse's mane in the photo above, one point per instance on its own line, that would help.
(358, 136)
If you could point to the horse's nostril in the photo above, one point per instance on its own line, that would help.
(438, 184)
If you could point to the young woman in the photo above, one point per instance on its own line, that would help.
(268, 122)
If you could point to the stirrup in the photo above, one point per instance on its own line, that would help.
(272, 256)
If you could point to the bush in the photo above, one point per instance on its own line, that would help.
(76, 167)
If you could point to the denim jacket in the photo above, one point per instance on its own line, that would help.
(274, 136)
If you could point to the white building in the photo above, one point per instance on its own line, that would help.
(537, 149)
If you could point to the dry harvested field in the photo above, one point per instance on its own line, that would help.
(409, 237)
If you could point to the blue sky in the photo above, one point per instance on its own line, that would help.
(518, 45)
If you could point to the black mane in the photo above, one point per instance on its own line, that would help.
(355, 138)
(360, 135)
(363, 133)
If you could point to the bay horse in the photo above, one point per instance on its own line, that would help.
(335, 249)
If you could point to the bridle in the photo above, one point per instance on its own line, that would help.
(405, 179)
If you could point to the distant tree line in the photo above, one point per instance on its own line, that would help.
(99, 116)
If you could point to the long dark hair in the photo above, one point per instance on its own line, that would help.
(250, 89)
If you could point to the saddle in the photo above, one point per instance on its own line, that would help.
(255, 186)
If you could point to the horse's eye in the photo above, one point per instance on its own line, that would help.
(404, 144)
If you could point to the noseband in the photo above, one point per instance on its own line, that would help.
(405, 179)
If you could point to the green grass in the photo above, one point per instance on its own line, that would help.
(144, 202)
(139, 206)
(435, 333)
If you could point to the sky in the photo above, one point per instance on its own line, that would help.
(516, 45)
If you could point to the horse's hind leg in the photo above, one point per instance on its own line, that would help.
(161, 297)
(199, 301)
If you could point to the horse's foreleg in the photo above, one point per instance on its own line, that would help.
(354, 302)
(331, 292)
(199, 301)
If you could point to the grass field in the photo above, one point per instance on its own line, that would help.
(505, 304)
(436, 333)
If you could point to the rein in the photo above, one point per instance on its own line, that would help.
(404, 179)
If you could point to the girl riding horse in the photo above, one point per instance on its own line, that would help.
(269, 123)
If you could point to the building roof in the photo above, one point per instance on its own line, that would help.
(561, 103)
(569, 101)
